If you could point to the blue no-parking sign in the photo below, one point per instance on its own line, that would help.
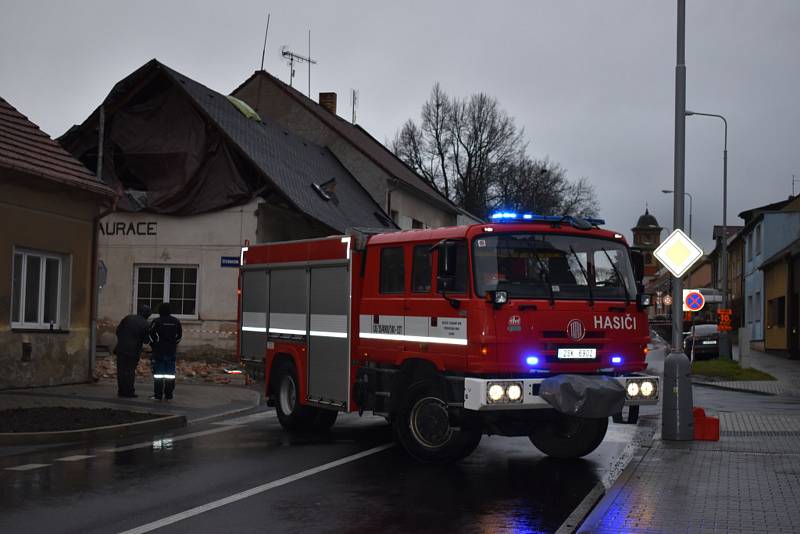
(693, 300)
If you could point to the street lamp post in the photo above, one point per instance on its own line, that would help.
(677, 422)
(690, 207)
(724, 339)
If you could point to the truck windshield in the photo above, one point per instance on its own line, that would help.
(529, 265)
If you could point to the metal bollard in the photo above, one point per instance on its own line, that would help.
(677, 421)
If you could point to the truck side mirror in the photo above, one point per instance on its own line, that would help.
(637, 261)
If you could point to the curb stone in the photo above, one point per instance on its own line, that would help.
(714, 385)
(592, 514)
(164, 422)
(579, 514)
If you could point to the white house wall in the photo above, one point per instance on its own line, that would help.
(410, 207)
(127, 240)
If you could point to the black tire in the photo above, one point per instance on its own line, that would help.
(471, 438)
(569, 437)
(422, 426)
(291, 414)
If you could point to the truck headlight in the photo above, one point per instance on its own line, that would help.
(496, 392)
(641, 388)
(514, 392)
(502, 392)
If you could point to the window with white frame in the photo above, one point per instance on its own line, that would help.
(176, 284)
(750, 309)
(39, 290)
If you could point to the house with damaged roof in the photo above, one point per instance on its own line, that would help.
(411, 201)
(49, 207)
(200, 175)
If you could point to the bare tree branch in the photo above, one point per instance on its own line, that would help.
(472, 151)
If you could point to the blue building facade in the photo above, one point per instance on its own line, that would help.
(764, 235)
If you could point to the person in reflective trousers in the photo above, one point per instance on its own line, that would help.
(132, 333)
(165, 334)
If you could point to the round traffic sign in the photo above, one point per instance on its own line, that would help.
(695, 301)
(667, 300)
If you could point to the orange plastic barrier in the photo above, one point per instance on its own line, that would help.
(705, 428)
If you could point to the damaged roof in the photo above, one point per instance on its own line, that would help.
(26, 148)
(365, 143)
(308, 176)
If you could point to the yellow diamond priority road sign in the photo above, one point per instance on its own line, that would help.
(677, 253)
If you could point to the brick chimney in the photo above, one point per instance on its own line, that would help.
(328, 101)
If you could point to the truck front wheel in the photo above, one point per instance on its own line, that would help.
(422, 426)
(569, 437)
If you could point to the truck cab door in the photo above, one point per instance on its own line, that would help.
(435, 328)
(382, 312)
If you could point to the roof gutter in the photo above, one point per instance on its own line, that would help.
(95, 253)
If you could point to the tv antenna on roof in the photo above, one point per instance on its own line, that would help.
(264, 49)
(291, 58)
(354, 102)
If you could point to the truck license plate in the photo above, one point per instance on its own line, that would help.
(577, 354)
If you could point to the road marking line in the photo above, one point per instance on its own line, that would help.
(26, 467)
(149, 527)
(157, 443)
(75, 458)
(148, 444)
(245, 419)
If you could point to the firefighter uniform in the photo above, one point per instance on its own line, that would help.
(165, 334)
(132, 333)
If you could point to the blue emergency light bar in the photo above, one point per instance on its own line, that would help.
(507, 216)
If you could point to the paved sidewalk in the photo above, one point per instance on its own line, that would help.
(746, 482)
(763, 387)
(785, 370)
(196, 402)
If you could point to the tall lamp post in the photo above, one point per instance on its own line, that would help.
(676, 407)
(724, 339)
(670, 191)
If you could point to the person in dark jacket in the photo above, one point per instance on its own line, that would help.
(132, 333)
(165, 334)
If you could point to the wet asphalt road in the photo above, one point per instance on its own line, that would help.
(248, 475)
(506, 485)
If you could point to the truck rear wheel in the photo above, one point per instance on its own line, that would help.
(422, 426)
(291, 414)
(569, 437)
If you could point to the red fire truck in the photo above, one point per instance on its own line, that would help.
(524, 326)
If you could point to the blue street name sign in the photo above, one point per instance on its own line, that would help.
(229, 261)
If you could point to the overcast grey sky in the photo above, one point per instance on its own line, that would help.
(592, 82)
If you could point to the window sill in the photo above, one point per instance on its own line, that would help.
(19, 330)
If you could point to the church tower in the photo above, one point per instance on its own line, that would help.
(647, 236)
